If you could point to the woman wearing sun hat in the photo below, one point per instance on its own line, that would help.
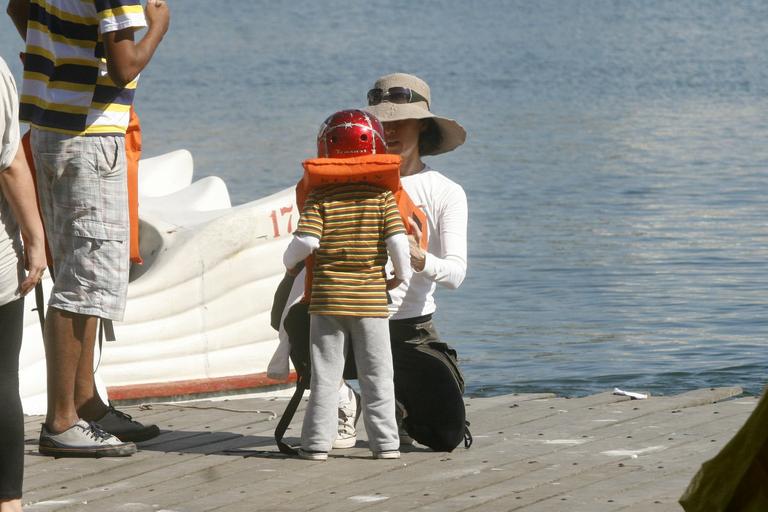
(429, 394)
(402, 103)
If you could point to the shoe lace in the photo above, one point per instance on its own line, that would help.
(122, 415)
(346, 422)
(96, 432)
(346, 428)
(345, 415)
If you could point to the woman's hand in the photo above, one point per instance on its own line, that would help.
(35, 263)
(393, 283)
(418, 255)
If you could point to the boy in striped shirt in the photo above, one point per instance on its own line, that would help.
(81, 67)
(350, 228)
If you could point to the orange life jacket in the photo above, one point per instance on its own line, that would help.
(380, 170)
(133, 155)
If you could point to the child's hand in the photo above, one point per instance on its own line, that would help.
(393, 283)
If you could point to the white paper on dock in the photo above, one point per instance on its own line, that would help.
(630, 394)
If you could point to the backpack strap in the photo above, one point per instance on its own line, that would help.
(40, 306)
(467, 436)
(286, 418)
(280, 300)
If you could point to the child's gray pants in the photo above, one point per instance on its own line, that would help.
(369, 338)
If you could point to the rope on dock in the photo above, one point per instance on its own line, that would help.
(147, 407)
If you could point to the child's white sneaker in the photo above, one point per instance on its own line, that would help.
(316, 456)
(387, 454)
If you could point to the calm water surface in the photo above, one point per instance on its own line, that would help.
(615, 166)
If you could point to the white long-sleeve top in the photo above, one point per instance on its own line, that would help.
(445, 205)
(302, 246)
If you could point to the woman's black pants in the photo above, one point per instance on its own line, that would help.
(11, 414)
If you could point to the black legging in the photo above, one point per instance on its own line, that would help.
(11, 414)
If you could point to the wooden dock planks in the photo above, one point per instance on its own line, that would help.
(532, 452)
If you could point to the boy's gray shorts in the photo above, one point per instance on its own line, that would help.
(83, 194)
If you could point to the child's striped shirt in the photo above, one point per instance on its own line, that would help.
(352, 222)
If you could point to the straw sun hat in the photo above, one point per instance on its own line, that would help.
(453, 134)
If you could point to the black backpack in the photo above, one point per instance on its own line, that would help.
(430, 386)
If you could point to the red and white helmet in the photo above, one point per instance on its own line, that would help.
(350, 133)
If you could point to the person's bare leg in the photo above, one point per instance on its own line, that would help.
(93, 407)
(10, 506)
(89, 405)
(68, 336)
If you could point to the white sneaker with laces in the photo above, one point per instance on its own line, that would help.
(83, 439)
(349, 413)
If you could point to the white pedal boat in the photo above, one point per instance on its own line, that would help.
(197, 320)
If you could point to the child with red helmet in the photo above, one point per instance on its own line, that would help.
(349, 223)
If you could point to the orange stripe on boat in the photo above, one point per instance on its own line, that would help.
(195, 386)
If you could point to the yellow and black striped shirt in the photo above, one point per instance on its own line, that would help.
(66, 85)
(352, 222)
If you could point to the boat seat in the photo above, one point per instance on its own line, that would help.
(165, 174)
(169, 202)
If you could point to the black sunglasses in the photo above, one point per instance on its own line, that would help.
(395, 95)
